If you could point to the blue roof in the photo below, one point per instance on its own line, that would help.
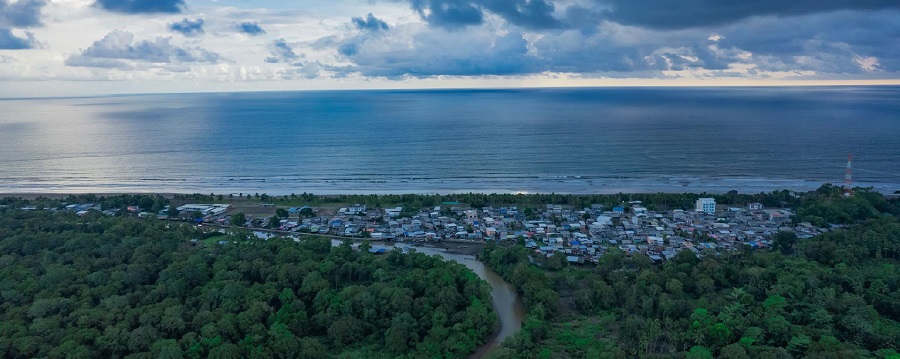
(575, 243)
(619, 209)
(572, 258)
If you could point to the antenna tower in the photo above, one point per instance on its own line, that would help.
(848, 177)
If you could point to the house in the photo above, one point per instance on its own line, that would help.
(754, 206)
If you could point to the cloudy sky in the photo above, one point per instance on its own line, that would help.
(86, 47)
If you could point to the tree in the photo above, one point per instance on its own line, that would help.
(699, 352)
(225, 351)
(784, 242)
(281, 212)
(238, 219)
(166, 349)
(734, 351)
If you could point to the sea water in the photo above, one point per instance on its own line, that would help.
(604, 140)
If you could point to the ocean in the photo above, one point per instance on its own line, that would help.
(605, 140)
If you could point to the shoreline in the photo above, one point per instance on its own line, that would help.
(247, 198)
(571, 185)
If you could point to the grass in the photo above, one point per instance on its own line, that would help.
(211, 241)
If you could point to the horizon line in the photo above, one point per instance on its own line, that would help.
(647, 83)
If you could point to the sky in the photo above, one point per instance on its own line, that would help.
(91, 47)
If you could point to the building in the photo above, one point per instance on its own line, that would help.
(706, 205)
(205, 209)
(755, 206)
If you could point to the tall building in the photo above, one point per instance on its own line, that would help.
(706, 205)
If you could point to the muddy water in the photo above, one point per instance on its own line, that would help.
(507, 302)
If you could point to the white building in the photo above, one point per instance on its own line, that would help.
(706, 205)
(205, 209)
(355, 209)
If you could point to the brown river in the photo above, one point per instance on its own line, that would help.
(507, 303)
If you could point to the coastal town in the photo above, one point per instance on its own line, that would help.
(581, 234)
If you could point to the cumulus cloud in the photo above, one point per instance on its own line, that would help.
(188, 27)
(824, 43)
(118, 49)
(413, 52)
(22, 13)
(298, 66)
(281, 52)
(250, 28)
(816, 44)
(477, 38)
(370, 23)
(452, 14)
(142, 6)
(9, 41)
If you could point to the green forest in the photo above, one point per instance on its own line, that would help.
(832, 296)
(119, 287)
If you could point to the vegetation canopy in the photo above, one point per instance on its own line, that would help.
(115, 287)
(836, 295)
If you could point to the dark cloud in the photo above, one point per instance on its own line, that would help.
(655, 14)
(667, 14)
(250, 28)
(448, 13)
(22, 13)
(370, 23)
(825, 43)
(813, 45)
(281, 52)
(531, 14)
(188, 27)
(142, 6)
(119, 50)
(9, 41)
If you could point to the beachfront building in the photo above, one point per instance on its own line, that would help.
(205, 209)
(705, 205)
